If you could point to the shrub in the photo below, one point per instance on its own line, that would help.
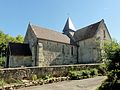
(105, 86)
(34, 77)
(2, 61)
(2, 82)
(112, 65)
(111, 76)
(74, 75)
(46, 77)
(118, 74)
(93, 72)
(85, 73)
(102, 70)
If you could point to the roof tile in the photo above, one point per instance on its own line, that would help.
(43, 33)
(86, 32)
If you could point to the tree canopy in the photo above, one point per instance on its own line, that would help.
(111, 58)
(4, 40)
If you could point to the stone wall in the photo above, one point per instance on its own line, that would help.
(56, 71)
(102, 34)
(31, 39)
(46, 53)
(89, 51)
(18, 61)
(55, 53)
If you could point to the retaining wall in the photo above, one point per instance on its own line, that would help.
(27, 72)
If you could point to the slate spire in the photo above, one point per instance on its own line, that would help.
(69, 30)
(68, 26)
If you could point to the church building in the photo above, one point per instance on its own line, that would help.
(45, 47)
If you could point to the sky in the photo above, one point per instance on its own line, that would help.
(15, 15)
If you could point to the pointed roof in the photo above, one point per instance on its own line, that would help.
(87, 32)
(69, 25)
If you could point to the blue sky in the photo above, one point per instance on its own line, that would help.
(16, 14)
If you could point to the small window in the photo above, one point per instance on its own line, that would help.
(72, 50)
(63, 50)
(104, 33)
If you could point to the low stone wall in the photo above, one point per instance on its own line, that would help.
(56, 71)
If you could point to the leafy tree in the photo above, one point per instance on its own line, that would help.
(19, 39)
(111, 58)
(4, 40)
(112, 55)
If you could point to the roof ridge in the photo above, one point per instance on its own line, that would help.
(91, 24)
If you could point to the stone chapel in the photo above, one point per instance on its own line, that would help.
(45, 47)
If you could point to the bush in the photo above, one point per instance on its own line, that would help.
(85, 73)
(2, 61)
(111, 55)
(118, 74)
(46, 77)
(75, 75)
(102, 70)
(93, 72)
(34, 77)
(105, 86)
(112, 65)
(111, 76)
(2, 82)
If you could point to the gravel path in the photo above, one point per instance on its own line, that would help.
(85, 84)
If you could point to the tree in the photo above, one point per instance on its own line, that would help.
(111, 58)
(4, 40)
(112, 55)
(19, 39)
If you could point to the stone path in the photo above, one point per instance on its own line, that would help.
(85, 84)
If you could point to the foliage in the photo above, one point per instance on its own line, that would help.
(34, 77)
(112, 55)
(105, 86)
(85, 73)
(46, 77)
(2, 82)
(102, 69)
(93, 72)
(2, 61)
(4, 40)
(76, 75)
(111, 65)
(19, 39)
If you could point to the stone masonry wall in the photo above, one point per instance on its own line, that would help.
(102, 34)
(18, 61)
(89, 51)
(31, 39)
(55, 53)
(20, 73)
